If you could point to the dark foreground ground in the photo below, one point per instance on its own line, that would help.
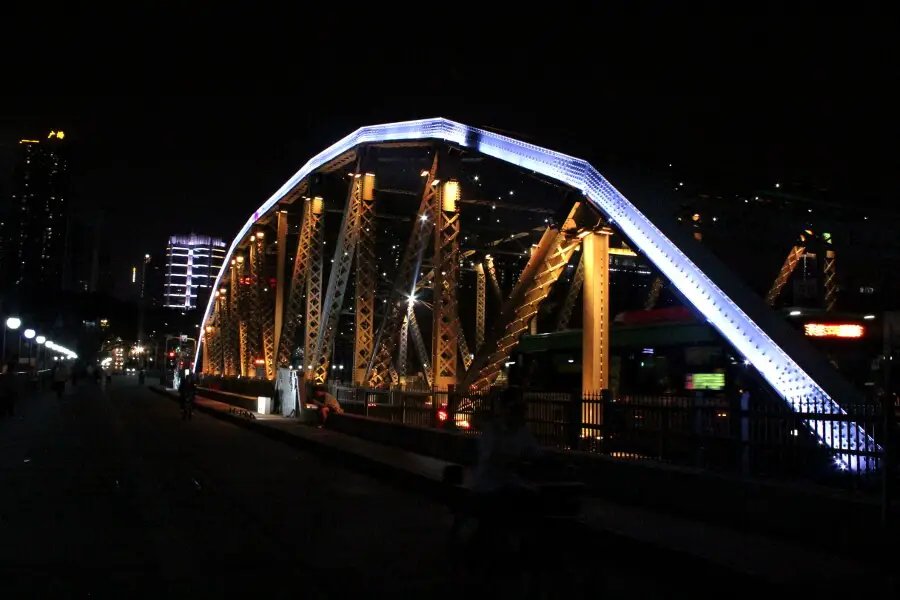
(110, 493)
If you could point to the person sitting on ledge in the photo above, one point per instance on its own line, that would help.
(325, 403)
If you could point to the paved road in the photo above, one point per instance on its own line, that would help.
(110, 492)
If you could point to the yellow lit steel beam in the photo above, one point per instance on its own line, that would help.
(565, 314)
(281, 249)
(480, 289)
(790, 263)
(407, 282)
(548, 260)
(421, 350)
(655, 290)
(595, 327)
(316, 252)
(293, 315)
(254, 316)
(445, 328)
(266, 309)
(365, 281)
(492, 277)
(338, 279)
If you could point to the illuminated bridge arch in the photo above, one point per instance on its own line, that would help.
(794, 370)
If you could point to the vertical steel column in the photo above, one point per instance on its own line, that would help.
(315, 252)
(480, 289)
(337, 280)
(565, 314)
(266, 309)
(406, 282)
(229, 340)
(829, 281)
(281, 249)
(293, 315)
(209, 351)
(445, 332)
(205, 343)
(240, 303)
(216, 341)
(595, 335)
(254, 320)
(244, 336)
(402, 357)
(364, 331)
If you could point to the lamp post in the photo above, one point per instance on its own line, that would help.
(29, 335)
(40, 342)
(12, 323)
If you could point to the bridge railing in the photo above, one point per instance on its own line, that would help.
(730, 434)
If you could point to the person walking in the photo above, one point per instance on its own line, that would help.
(60, 377)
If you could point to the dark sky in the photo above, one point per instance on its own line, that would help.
(195, 139)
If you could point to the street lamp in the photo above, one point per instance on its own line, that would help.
(29, 335)
(40, 342)
(11, 323)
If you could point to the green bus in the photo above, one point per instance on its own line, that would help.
(675, 351)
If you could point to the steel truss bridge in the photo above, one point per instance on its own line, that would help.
(250, 330)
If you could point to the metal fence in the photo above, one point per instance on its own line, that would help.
(758, 436)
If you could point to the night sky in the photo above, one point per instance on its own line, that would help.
(746, 102)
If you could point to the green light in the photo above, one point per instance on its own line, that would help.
(705, 381)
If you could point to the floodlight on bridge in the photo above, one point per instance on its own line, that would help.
(799, 375)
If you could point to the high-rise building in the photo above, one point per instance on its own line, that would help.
(192, 264)
(36, 225)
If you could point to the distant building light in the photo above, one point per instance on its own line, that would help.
(834, 330)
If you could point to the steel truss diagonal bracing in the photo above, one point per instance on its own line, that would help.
(800, 376)
(338, 279)
(405, 284)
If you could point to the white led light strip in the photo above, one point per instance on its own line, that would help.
(799, 390)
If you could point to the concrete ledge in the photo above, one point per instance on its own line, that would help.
(458, 448)
(317, 442)
(245, 402)
(821, 516)
(749, 561)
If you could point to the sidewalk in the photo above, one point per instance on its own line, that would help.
(663, 539)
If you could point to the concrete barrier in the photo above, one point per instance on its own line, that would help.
(836, 519)
(250, 403)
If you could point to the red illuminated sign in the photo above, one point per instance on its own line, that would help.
(834, 330)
